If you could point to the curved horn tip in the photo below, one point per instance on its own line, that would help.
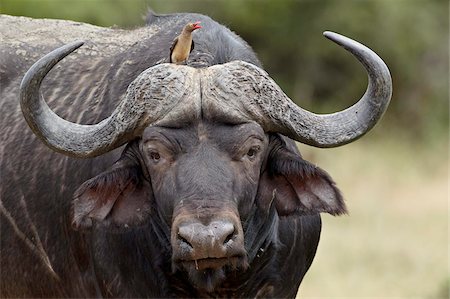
(74, 45)
(78, 42)
(67, 48)
(330, 34)
(46, 63)
(63, 51)
(338, 38)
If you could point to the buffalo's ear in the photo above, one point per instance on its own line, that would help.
(118, 198)
(296, 186)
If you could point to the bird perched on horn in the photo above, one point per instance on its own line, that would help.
(183, 44)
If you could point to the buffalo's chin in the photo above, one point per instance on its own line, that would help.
(207, 274)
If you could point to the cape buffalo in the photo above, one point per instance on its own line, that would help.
(160, 180)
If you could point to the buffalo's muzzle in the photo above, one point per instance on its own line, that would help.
(209, 241)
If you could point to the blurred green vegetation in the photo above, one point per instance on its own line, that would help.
(410, 35)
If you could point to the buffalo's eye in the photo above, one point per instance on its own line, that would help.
(253, 152)
(155, 156)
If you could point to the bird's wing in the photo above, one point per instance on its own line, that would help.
(192, 45)
(174, 43)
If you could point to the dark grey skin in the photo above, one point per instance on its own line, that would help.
(125, 223)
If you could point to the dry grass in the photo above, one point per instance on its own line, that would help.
(394, 242)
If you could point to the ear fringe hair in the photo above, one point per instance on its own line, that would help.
(282, 161)
(286, 163)
(107, 183)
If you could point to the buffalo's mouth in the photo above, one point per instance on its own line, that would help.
(235, 262)
(208, 273)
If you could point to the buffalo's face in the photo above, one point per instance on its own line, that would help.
(204, 183)
(204, 180)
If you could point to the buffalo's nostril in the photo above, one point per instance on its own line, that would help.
(184, 243)
(229, 237)
(225, 231)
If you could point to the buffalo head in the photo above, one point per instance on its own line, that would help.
(205, 159)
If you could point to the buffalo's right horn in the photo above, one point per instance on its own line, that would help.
(252, 92)
(149, 98)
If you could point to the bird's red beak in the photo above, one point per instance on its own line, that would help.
(197, 25)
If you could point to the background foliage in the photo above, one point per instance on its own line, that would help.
(396, 180)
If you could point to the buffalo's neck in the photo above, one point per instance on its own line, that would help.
(137, 261)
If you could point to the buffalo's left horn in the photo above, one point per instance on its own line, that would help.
(149, 98)
(250, 90)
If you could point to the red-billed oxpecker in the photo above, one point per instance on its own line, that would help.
(182, 45)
